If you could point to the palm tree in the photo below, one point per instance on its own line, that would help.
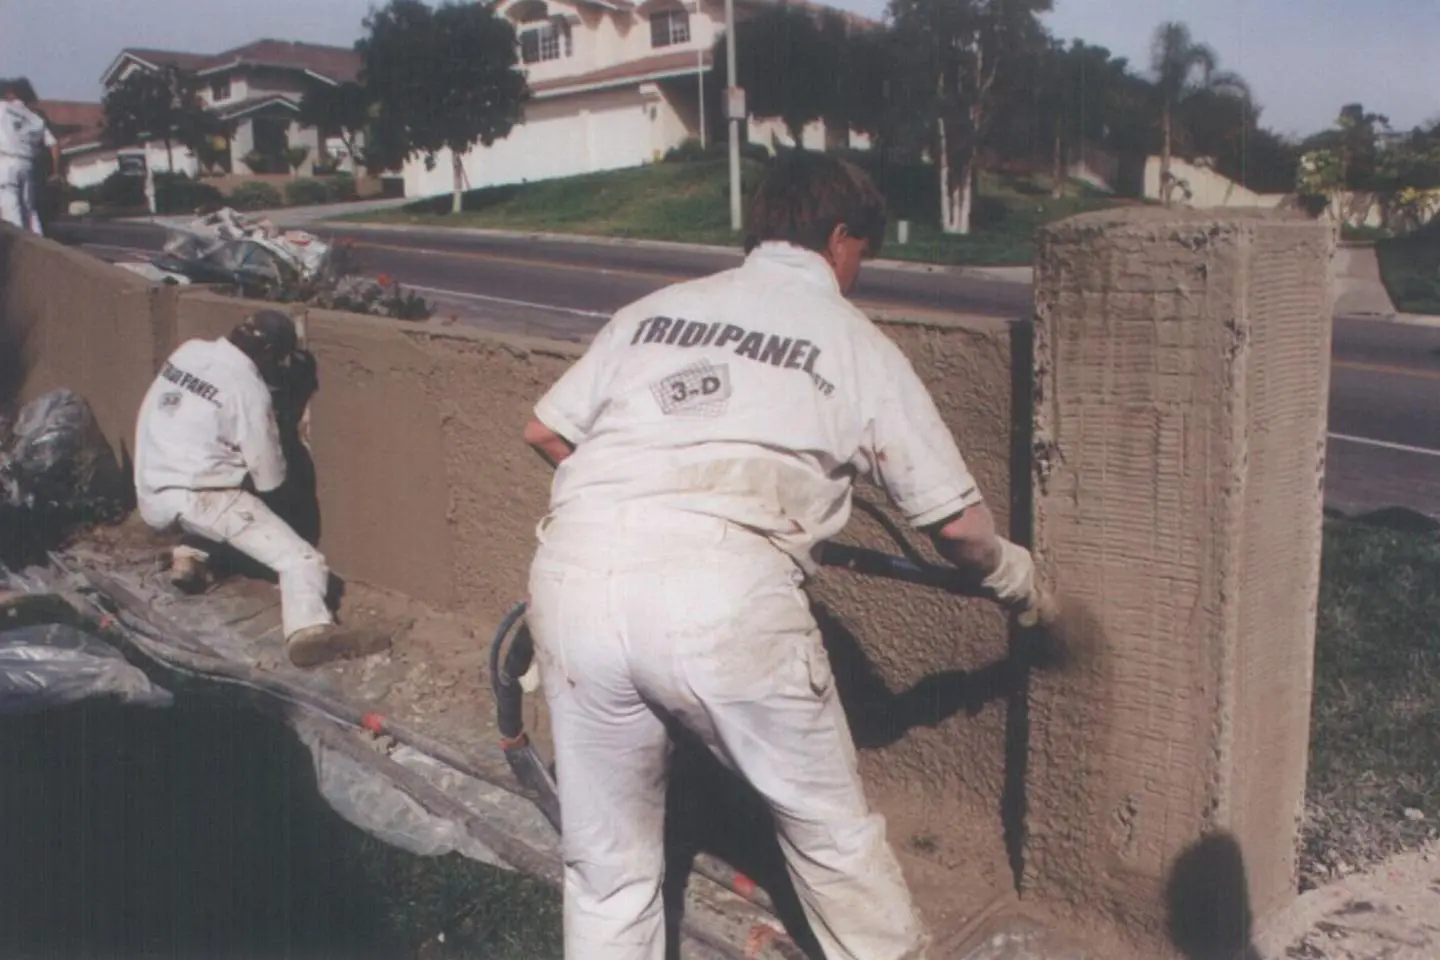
(1184, 67)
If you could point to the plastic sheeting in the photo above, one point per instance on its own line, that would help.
(44, 666)
(50, 665)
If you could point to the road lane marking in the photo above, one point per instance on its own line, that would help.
(437, 291)
(128, 251)
(1386, 368)
(631, 272)
(526, 261)
(1385, 444)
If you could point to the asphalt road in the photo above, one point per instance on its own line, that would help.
(1384, 449)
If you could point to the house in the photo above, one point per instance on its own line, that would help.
(258, 86)
(74, 123)
(614, 83)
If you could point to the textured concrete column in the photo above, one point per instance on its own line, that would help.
(1181, 379)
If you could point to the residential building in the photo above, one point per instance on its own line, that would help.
(614, 83)
(258, 87)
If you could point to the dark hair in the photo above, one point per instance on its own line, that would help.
(806, 195)
(21, 87)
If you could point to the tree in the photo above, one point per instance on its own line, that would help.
(1183, 69)
(865, 75)
(162, 104)
(440, 78)
(339, 110)
(785, 66)
(1068, 96)
(958, 53)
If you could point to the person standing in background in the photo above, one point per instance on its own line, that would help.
(24, 140)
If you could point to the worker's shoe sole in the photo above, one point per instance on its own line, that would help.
(190, 576)
(324, 644)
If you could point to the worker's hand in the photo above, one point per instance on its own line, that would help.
(1012, 582)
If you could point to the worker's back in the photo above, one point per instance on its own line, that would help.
(755, 396)
(22, 131)
(206, 422)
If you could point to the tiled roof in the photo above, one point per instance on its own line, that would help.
(684, 61)
(73, 122)
(335, 63)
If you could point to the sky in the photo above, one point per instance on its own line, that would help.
(1302, 66)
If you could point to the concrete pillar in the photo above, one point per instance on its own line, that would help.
(1181, 378)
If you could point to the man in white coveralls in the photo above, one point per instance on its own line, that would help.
(24, 135)
(205, 426)
(706, 442)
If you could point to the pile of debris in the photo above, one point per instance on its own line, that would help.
(252, 258)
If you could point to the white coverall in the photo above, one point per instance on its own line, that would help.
(718, 426)
(207, 421)
(23, 135)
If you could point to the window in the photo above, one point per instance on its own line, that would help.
(219, 89)
(669, 27)
(546, 41)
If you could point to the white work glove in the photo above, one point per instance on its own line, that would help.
(1012, 583)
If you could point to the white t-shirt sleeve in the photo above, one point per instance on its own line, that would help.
(258, 436)
(912, 452)
(572, 403)
(48, 138)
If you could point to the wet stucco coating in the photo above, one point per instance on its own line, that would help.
(1181, 378)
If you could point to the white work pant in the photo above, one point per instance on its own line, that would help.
(18, 195)
(240, 520)
(672, 613)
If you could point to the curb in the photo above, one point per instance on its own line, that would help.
(1401, 319)
(1017, 275)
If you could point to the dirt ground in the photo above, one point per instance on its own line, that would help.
(1391, 912)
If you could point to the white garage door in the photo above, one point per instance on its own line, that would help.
(620, 133)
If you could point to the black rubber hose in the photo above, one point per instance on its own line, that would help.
(505, 673)
(509, 699)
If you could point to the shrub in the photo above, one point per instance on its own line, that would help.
(341, 188)
(177, 193)
(119, 190)
(306, 193)
(687, 150)
(255, 195)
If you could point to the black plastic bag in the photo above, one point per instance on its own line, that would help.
(56, 459)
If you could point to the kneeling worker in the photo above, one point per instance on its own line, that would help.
(707, 440)
(208, 422)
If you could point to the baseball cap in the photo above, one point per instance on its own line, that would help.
(271, 329)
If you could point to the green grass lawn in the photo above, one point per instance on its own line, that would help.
(1410, 267)
(689, 202)
(1375, 728)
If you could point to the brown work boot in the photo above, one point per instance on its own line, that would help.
(190, 574)
(316, 645)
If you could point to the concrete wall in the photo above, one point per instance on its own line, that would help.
(1182, 376)
(425, 487)
(69, 320)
